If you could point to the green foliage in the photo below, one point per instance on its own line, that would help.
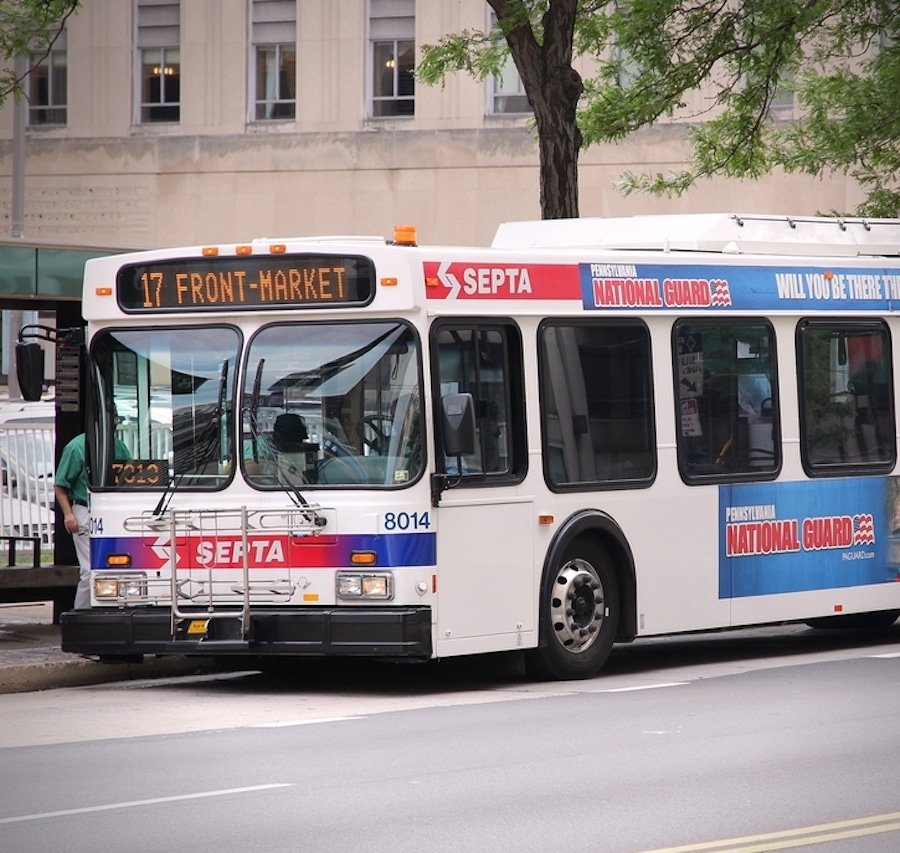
(480, 53)
(840, 58)
(851, 124)
(28, 27)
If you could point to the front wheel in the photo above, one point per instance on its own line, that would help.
(579, 615)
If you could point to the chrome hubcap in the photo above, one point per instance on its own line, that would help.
(577, 606)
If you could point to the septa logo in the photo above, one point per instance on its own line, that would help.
(463, 280)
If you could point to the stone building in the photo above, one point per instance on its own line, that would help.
(173, 123)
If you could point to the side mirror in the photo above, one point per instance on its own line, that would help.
(458, 424)
(30, 370)
(457, 438)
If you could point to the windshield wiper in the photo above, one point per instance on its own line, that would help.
(289, 488)
(209, 445)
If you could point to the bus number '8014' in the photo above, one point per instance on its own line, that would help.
(406, 521)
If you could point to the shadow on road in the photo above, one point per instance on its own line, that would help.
(363, 676)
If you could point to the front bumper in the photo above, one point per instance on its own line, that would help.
(397, 632)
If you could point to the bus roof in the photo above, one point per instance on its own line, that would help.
(752, 234)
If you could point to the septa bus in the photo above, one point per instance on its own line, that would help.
(590, 431)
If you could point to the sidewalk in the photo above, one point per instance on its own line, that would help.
(31, 658)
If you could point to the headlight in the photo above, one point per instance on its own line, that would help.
(120, 586)
(106, 587)
(357, 585)
(133, 587)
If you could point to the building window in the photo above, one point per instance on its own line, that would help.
(392, 25)
(48, 85)
(509, 91)
(159, 48)
(274, 27)
(781, 107)
(626, 68)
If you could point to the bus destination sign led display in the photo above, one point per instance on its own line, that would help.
(254, 282)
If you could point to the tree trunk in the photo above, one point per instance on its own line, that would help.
(553, 88)
(559, 145)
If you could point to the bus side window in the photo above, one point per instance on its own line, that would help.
(485, 360)
(726, 393)
(596, 404)
(846, 397)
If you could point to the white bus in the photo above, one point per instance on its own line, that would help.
(591, 431)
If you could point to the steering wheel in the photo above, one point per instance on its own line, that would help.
(380, 425)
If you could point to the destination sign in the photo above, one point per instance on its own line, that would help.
(253, 282)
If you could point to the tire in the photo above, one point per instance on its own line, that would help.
(579, 615)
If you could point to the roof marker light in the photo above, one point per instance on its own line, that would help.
(210, 251)
(405, 235)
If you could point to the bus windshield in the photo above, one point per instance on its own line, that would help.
(332, 404)
(165, 399)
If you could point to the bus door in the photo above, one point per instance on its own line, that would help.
(485, 559)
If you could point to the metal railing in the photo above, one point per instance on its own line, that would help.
(204, 591)
(26, 482)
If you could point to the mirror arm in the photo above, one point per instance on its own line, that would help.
(49, 333)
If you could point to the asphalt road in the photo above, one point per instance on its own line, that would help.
(779, 738)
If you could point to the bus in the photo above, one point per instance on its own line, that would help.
(590, 431)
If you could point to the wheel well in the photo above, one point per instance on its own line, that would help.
(600, 529)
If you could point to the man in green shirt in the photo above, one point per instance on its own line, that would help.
(70, 486)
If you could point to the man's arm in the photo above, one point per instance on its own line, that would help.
(65, 506)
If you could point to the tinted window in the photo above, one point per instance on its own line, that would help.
(596, 403)
(846, 397)
(484, 360)
(726, 394)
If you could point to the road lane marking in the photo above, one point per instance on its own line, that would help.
(152, 802)
(280, 724)
(642, 687)
(802, 837)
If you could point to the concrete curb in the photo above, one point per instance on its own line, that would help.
(31, 658)
(82, 672)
